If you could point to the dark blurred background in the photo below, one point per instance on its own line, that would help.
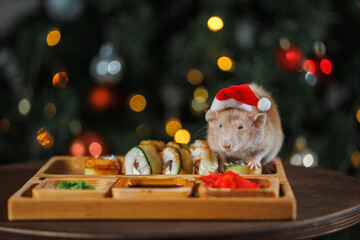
(95, 77)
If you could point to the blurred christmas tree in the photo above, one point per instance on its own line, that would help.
(87, 77)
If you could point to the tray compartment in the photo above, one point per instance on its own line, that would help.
(65, 166)
(148, 187)
(47, 188)
(269, 188)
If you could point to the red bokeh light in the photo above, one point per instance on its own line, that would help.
(326, 66)
(309, 66)
(290, 59)
(100, 98)
(77, 148)
(95, 149)
(293, 55)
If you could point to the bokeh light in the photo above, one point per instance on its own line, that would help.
(182, 136)
(198, 106)
(114, 67)
(194, 76)
(45, 138)
(355, 159)
(77, 148)
(308, 160)
(358, 115)
(284, 43)
(24, 106)
(309, 66)
(137, 103)
(100, 98)
(225, 63)
(296, 160)
(310, 79)
(293, 55)
(319, 48)
(143, 130)
(75, 127)
(49, 110)
(326, 66)
(53, 37)
(300, 143)
(4, 126)
(215, 23)
(201, 94)
(95, 149)
(172, 126)
(60, 80)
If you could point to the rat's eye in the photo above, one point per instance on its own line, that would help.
(220, 126)
(241, 127)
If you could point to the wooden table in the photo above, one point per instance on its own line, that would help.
(327, 201)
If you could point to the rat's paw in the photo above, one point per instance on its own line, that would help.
(254, 165)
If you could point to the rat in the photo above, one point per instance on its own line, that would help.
(254, 137)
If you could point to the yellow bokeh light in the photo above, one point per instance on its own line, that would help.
(49, 110)
(225, 63)
(45, 138)
(172, 126)
(137, 103)
(53, 37)
(201, 94)
(60, 80)
(215, 23)
(355, 159)
(182, 136)
(198, 106)
(194, 77)
(358, 115)
(4, 126)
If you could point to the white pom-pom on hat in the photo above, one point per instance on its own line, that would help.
(264, 104)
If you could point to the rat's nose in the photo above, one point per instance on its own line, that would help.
(226, 145)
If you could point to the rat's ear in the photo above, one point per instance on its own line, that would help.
(259, 121)
(211, 117)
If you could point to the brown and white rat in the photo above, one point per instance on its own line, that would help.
(253, 136)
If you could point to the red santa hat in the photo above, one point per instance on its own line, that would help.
(241, 97)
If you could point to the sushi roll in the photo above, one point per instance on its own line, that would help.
(176, 161)
(103, 165)
(200, 143)
(204, 160)
(159, 145)
(143, 160)
(177, 145)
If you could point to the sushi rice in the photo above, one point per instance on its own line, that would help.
(143, 160)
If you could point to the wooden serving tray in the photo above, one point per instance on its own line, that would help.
(22, 205)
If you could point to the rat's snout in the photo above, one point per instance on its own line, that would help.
(226, 145)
